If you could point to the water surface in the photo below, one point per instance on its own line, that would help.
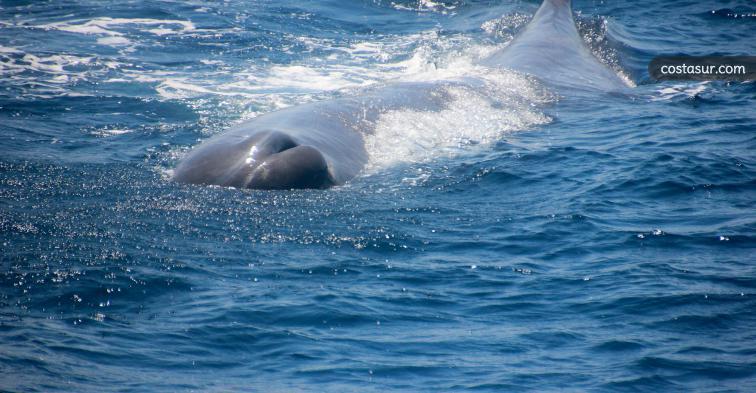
(546, 241)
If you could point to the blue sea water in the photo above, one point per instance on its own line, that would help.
(556, 243)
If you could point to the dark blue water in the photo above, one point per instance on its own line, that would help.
(577, 243)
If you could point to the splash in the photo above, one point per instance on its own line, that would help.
(425, 6)
(475, 118)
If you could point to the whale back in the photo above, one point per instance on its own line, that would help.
(551, 49)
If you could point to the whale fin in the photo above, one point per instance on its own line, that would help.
(551, 49)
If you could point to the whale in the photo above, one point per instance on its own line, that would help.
(322, 144)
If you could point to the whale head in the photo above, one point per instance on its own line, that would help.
(265, 159)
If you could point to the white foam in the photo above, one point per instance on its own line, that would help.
(5, 49)
(680, 91)
(113, 41)
(101, 25)
(425, 6)
(47, 76)
(177, 89)
(362, 64)
(108, 132)
(510, 102)
(304, 78)
(60, 79)
(14, 61)
(279, 86)
(107, 27)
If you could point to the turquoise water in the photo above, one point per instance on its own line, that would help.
(555, 241)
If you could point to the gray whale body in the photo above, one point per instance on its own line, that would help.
(321, 144)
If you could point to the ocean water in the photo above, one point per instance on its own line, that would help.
(545, 242)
